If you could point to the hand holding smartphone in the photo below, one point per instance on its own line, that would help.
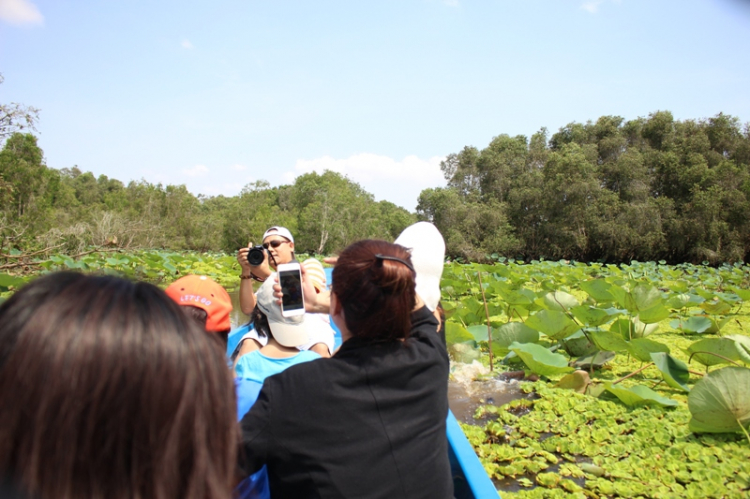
(290, 280)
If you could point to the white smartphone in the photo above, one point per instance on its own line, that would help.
(290, 280)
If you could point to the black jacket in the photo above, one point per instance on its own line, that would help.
(367, 423)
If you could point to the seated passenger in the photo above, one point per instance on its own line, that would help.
(110, 391)
(321, 337)
(371, 421)
(205, 301)
(283, 337)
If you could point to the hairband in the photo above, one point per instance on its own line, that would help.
(395, 259)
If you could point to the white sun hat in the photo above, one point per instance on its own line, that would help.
(427, 249)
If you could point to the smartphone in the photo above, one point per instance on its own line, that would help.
(290, 280)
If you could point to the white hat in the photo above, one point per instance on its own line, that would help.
(278, 231)
(289, 331)
(428, 257)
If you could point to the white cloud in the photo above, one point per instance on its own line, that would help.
(399, 182)
(451, 3)
(196, 171)
(186, 44)
(591, 7)
(20, 12)
(238, 168)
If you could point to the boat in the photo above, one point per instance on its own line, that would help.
(470, 481)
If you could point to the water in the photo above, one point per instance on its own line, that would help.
(471, 385)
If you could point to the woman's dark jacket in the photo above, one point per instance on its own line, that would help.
(367, 423)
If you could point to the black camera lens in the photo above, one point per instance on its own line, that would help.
(256, 255)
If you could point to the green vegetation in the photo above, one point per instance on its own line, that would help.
(651, 188)
(656, 408)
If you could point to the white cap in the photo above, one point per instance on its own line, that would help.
(428, 257)
(289, 331)
(278, 231)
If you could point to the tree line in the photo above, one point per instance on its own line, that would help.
(652, 188)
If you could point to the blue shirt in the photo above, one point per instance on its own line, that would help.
(257, 367)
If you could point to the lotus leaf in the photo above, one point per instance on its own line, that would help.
(479, 332)
(559, 300)
(456, 333)
(673, 370)
(606, 340)
(598, 289)
(630, 329)
(578, 344)
(697, 324)
(596, 359)
(553, 323)
(576, 381)
(639, 395)
(653, 314)
(678, 301)
(518, 297)
(720, 402)
(642, 348)
(724, 348)
(511, 332)
(717, 324)
(592, 316)
(7, 281)
(716, 307)
(539, 360)
(743, 346)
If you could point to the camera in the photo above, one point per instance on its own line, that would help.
(256, 255)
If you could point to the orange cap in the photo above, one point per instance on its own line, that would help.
(205, 293)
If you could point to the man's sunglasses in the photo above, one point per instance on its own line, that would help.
(274, 244)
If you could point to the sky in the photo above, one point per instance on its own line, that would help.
(216, 95)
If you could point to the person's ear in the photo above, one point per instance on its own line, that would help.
(291, 246)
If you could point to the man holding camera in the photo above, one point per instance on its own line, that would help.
(258, 264)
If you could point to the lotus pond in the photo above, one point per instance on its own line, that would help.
(635, 377)
(641, 386)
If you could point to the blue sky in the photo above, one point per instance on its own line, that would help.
(217, 94)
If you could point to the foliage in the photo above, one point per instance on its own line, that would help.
(610, 190)
(632, 417)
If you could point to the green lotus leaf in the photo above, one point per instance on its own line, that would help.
(506, 334)
(696, 324)
(642, 348)
(7, 281)
(479, 332)
(673, 370)
(576, 381)
(592, 316)
(630, 329)
(559, 300)
(638, 395)
(743, 346)
(717, 324)
(607, 340)
(744, 294)
(598, 289)
(596, 359)
(578, 344)
(553, 323)
(456, 333)
(720, 402)
(645, 297)
(539, 360)
(518, 297)
(724, 348)
(678, 301)
(716, 307)
(653, 314)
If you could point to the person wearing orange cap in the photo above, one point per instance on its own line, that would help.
(206, 301)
